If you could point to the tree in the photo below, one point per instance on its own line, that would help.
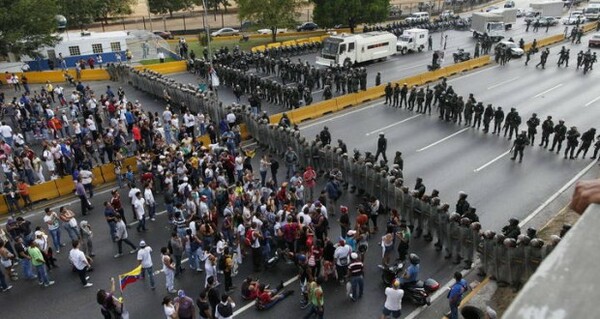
(78, 12)
(351, 12)
(169, 6)
(27, 25)
(111, 8)
(271, 13)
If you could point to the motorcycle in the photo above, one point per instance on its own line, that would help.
(391, 273)
(461, 56)
(418, 294)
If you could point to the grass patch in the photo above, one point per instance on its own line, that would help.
(157, 61)
(245, 46)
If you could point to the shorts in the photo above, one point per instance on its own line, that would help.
(393, 313)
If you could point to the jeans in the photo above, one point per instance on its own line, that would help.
(193, 258)
(454, 310)
(170, 278)
(263, 177)
(55, 233)
(42, 275)
(152, 210)
(3, 284)
(357, 284)
(113, 230)
(291, 171)
(141, 224)
(147, 272)
(82, 275)
(72, 231)
(120, 244)
(315, 310)
(27, 271)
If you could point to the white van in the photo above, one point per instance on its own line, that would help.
(418, 17)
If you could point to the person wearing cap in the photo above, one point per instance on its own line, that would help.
(381, 147)
(184, 306)
(455, 294)
(393, 301)
(355, 275)
(144, 257)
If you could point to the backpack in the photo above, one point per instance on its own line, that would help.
(186, 308)
(225, 310)
(248, 239)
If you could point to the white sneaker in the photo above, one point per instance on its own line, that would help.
(153, 219)
(172, 291)
(87, 277)
(118, 255)
(50, 283)
(133, 251)
(89, 284)
(7, 289)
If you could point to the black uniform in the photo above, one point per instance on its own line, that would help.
(520, 142)
(572, 142)
(560, 131)
(532, 125)
(488, 114)
(381, 147)
(388, 93)
(498, 118)
(325, 136)
(514, 125)
(547, 129)
(586, 141)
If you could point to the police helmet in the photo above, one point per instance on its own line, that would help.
(454, 217)
(537, 243)
(465, 221)
(476, 226)
(510, 242)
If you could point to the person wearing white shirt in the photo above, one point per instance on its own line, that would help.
(7, 133)
(144, 258)
(201, 120)
(140, 213)
(393, 301)
(239, 167)
(231, 120)
(80, 263)
(190, 122)
(149, 197)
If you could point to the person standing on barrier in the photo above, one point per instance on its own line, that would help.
(381, 147)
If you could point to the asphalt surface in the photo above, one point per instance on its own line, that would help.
(448, 157)
(400, 66)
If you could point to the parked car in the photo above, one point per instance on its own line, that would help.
(448, 15)
(575, 17)
(488, 9)
(307, 26)
(594, 41)
(515, 51)
(225, 32)
(164, 34)
(544, 21)
(269, 31)
(509, 4)
(520, 13)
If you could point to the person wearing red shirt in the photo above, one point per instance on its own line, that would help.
(310, 182)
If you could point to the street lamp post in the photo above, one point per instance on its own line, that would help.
(206, 29)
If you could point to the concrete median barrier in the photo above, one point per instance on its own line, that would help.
(45, 191)
(108, 172)
(345, 101)
(165, 68)
(312, 111)
(98, 177)
(65, 185)
(371, 94)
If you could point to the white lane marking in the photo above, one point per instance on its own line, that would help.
(548, 90)
(502, 83)
(444, 139)
(251, 304)
(340, 116)
(392, 125)
(468, 75)
(555, 195)
(592, 101)
(491, 162)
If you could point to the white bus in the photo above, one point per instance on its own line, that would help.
(348, 49)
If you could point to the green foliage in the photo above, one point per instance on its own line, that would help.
(114, 8)
(79, 13)
(169, 6)
(328, 13)
(26, 25)
(270, 13)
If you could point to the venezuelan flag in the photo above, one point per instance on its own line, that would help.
(130, 277)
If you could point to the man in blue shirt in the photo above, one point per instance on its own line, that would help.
(455, 294)
(411, 275)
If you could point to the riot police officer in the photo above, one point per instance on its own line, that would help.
(325, 136)
(519, 145)
(381, 147)
(498, 118)
(532, 125)
(560, 131)
(586, 141)
(488, 114)
(572, 142)
(547, 129)
(388, 93)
